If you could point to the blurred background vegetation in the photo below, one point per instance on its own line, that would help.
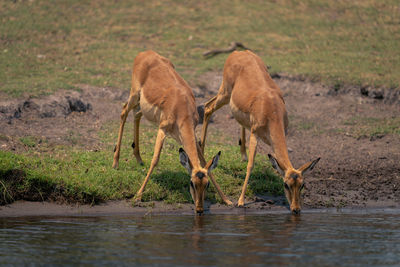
(49, 45)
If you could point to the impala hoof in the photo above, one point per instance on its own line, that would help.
(137, 199)
(228, 202)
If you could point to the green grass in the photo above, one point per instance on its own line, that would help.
(74, 175)
(370, 127)
(46, 46)
(28, 141)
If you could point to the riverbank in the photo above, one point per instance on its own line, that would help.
(66, 75)
(123, 207)
(67, 157)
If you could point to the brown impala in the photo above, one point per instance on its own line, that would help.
(163, 97)
(257, 104)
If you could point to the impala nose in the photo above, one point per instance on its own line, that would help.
(199, 211)
(296, 211)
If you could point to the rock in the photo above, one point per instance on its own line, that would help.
(258, 199)
(76, 104)
(364, 91)
(377, 94)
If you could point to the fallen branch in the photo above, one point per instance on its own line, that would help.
(233, 47)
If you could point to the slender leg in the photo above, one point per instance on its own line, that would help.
(203, 163)
(243, 144)
(215, 103)
(135, 144)
(206, 118)
(250, 164)
(132, 103)
(221, 194)
(201, 155)
(154, 161)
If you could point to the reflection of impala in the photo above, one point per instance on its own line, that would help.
(167, 100)
(257, 104)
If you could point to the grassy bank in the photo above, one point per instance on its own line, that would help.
(45, 46)
(70, 174)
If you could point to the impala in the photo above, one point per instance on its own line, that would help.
(160, 95)
(257, 104)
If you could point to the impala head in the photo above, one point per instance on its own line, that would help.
(199, 181)
(293, 182)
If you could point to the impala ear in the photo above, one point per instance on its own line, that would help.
(212, 164)
(184, 159)
(308, 166)
(275, 164)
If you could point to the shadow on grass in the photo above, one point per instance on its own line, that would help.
(267, 187)
(264, 184)
(16, 185)
(168, 186)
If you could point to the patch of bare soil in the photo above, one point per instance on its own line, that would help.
(352, 172)
(67, 117)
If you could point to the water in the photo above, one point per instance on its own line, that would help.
(313, 239)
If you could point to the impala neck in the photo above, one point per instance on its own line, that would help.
(280, 148)
(282, 156)
(188, 140)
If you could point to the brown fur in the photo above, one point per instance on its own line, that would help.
(164, 98)
(257, 104)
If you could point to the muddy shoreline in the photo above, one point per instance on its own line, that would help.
(124, 208)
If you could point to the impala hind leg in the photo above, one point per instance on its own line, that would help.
(131, 104)
(210, 107)
(250, 164)
(242, 144)
(156, 156)
(135, 144)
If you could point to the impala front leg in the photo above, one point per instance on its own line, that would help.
(215, 103)
(208, 110)
(250, 164)
(154, 161)
(221, 194)
(203, 163)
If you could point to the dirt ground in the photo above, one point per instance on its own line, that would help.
(354, 171)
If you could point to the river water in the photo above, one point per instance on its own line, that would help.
(312, 239)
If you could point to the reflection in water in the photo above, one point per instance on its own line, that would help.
(197, 234)
(306, 240)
